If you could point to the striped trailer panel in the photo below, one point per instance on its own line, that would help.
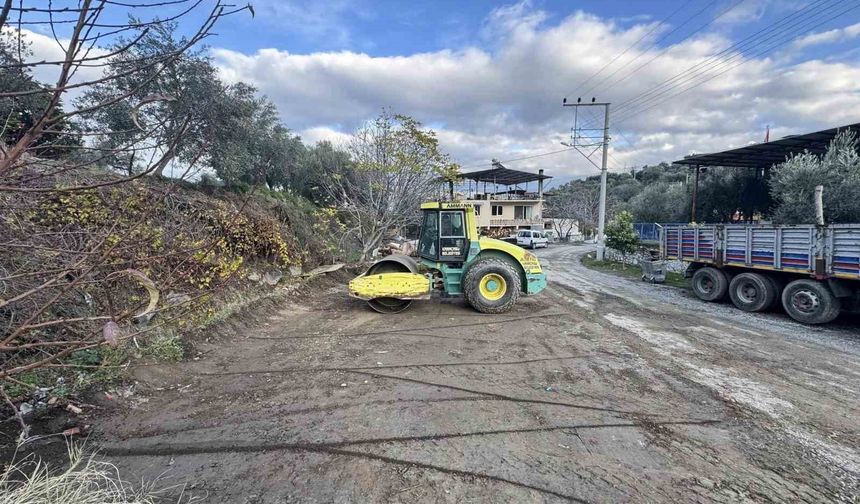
(697, 243)
(735, 245)
(671, 242)
(706, 244)
(845, 243)
(768, 247)
(797, 248)
(792, 249)
(689, 243)
(763, 247)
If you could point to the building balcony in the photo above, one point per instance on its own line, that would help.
(516, 222)
(534, 197)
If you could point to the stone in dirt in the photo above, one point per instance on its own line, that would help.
(272, 277)
(175, 298)
(324, 269)
(254, 276)
(73, 431)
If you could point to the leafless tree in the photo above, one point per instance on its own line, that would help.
(79, 243)
(573, 207)
(395, 166)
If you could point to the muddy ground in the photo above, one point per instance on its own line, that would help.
(597, 390)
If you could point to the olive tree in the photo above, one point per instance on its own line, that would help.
(793, 182)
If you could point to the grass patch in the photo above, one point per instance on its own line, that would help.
(166, 347)
(235, 305)
(85, 480)
(93, 366)
(629, 271)
(109, 366)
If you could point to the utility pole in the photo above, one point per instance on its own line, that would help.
(601, 217)
(601, 238)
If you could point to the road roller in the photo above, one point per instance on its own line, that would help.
(453, 261)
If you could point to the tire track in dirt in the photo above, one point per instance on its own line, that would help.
(142, 434)
(411, 329)
(202, 447)
(400, 366)
(337, 448)
(504, 397)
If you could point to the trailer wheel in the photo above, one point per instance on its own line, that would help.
(778, 285)
(491, 286)
(810, 302)
(752, 292)
(710, 284)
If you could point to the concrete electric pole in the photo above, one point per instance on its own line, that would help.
(601, 217)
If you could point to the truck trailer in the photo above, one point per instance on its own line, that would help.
(812, 271)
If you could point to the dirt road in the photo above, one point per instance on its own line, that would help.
(598, 390)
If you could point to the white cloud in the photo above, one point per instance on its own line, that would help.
(46, 48)
(505, 102)
(829, 37)
(323, 22)
(323, 133)
(746, 11)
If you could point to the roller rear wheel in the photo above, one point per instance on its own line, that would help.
(492, 285)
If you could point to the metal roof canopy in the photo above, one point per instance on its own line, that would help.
(765, 155)
(498, 174)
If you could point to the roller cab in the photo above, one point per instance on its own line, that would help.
(453, 260)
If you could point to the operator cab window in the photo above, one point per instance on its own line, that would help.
(452, 236)
(427, 242)
(453, 225)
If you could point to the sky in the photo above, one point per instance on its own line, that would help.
(682, 76)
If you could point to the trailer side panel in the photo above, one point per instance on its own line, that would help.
(845, 244)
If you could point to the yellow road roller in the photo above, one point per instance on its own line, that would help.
(452, 261)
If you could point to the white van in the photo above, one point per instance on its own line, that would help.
(531, 239)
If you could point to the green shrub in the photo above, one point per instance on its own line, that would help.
(165, 347)
(620, 234)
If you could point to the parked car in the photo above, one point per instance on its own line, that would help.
(551, 235)
(531, 239)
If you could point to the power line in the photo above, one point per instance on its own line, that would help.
(632, 112)
(666, 49)
(520, 158)
(631, 107)
(712, 62)
(631, 46)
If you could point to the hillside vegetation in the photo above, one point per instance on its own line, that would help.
(783, 194)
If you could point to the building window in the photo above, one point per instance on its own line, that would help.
(477, 209)
(497, 210)
(522, 212)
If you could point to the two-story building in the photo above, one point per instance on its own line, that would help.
(505, 198)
